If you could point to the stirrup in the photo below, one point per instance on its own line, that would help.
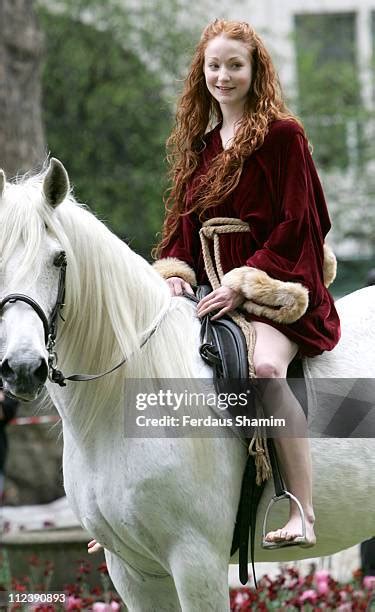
(298, 540)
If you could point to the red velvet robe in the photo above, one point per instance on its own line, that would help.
(280, 196)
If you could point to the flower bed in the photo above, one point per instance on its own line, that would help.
(77, 596)
(315, 592)
(289, 591)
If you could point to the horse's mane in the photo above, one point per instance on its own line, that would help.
(113, 298)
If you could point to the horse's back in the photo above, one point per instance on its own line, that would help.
(353, 356)
(357, 306)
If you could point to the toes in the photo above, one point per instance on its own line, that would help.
(270, 536)
(275, 536)
(280, 535)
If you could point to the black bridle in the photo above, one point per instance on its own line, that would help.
(20, 297)
(50, 328)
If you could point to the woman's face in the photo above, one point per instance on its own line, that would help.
(227, 70)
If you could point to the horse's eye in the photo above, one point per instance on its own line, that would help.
(60, 259)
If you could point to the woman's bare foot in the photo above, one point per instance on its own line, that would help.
(93, 546)
(292, 530)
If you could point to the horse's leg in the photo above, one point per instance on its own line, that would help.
(140, 591)
(201, 577)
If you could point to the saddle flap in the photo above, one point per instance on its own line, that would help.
(223, 345)
(231, 346)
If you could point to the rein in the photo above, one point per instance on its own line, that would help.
(50, 328)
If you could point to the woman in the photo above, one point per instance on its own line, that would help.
(255, 165)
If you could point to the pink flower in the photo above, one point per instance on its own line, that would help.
(240, 598)
(322, 587)
(309, 595)
(73, 603)
(343, 595)
(100, 606)
(346, 607)
(321, 576)
(369, 582)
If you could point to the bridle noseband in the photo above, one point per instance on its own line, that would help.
(20, 297)
(50, 328)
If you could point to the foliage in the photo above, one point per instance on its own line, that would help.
(162, 32)
(77, 596)
(110, 79)
(352, 274)
(338, 125)
(350, 196)
(329, 100)
(107, 121)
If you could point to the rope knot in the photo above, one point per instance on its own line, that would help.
(211, 229)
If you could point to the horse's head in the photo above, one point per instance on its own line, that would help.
(29, 277)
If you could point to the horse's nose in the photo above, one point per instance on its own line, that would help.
(26, 374)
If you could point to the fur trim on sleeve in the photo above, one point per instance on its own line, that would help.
(283, 302)
(329, 265)
(171, 266)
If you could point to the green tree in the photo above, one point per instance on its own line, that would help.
(112, 73)
(107, 121)
(340, 129)
(162, 32)
(328, 86)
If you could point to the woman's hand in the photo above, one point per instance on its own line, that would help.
(177, 285)
(93, 546)
(223, 299)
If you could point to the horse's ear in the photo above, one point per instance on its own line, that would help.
(56, 183)
(3, 180)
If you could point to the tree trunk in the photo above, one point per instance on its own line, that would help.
(22, 144)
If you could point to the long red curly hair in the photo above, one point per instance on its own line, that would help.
(197, 110)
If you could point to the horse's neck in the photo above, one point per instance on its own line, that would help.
(157, 335)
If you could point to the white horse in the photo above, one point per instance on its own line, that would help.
(164, 508)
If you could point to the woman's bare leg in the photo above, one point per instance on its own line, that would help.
(272, 355)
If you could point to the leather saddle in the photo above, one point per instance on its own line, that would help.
(223, 345)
